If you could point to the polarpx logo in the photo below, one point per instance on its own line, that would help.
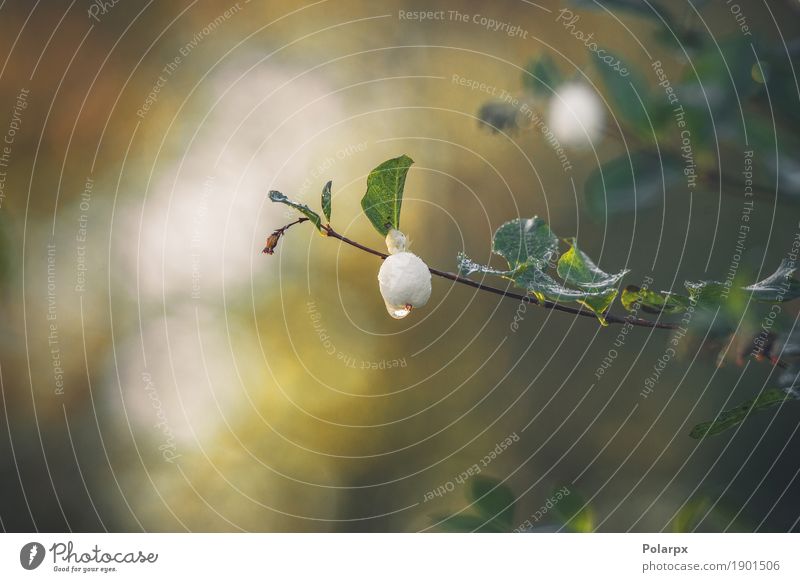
(31, 555)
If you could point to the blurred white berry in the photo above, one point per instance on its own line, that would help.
(576, 116)
(404, 278)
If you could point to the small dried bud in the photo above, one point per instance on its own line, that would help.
(272, 241)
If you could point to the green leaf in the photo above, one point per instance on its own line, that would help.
(713, 71)
(622, 95)
(778, 287)
(652, 301)
(545, 288)
(707, 293)
(384, 196)
(577, 268)
(525, 242)
(467, 523)
(611, 187)
(734, 416)
(573, 511)
(541, 75)
(326, 200)
(493, 500)
(276, 196)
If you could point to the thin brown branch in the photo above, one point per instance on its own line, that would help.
(510, 294)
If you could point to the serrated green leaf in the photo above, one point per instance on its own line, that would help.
(652, 301)
(576, 268)
(573, 511)
(493, 500)
(384, 196)
(778, 287)
(545, 288)
(276, 196)
(326, 200)
(734, 416)
(467, 523)
(525, 241)
(611, 187)
(541, 75)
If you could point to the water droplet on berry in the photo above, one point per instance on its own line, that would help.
(398, 311)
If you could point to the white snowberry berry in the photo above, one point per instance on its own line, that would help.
(576, 116)
(404, 278)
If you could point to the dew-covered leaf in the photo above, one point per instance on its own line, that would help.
(525, 241)
(384, 196)
(576, 268)
(545, 288)
(276, 196)
(326, 200)
(467, 266)
(779, 287)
